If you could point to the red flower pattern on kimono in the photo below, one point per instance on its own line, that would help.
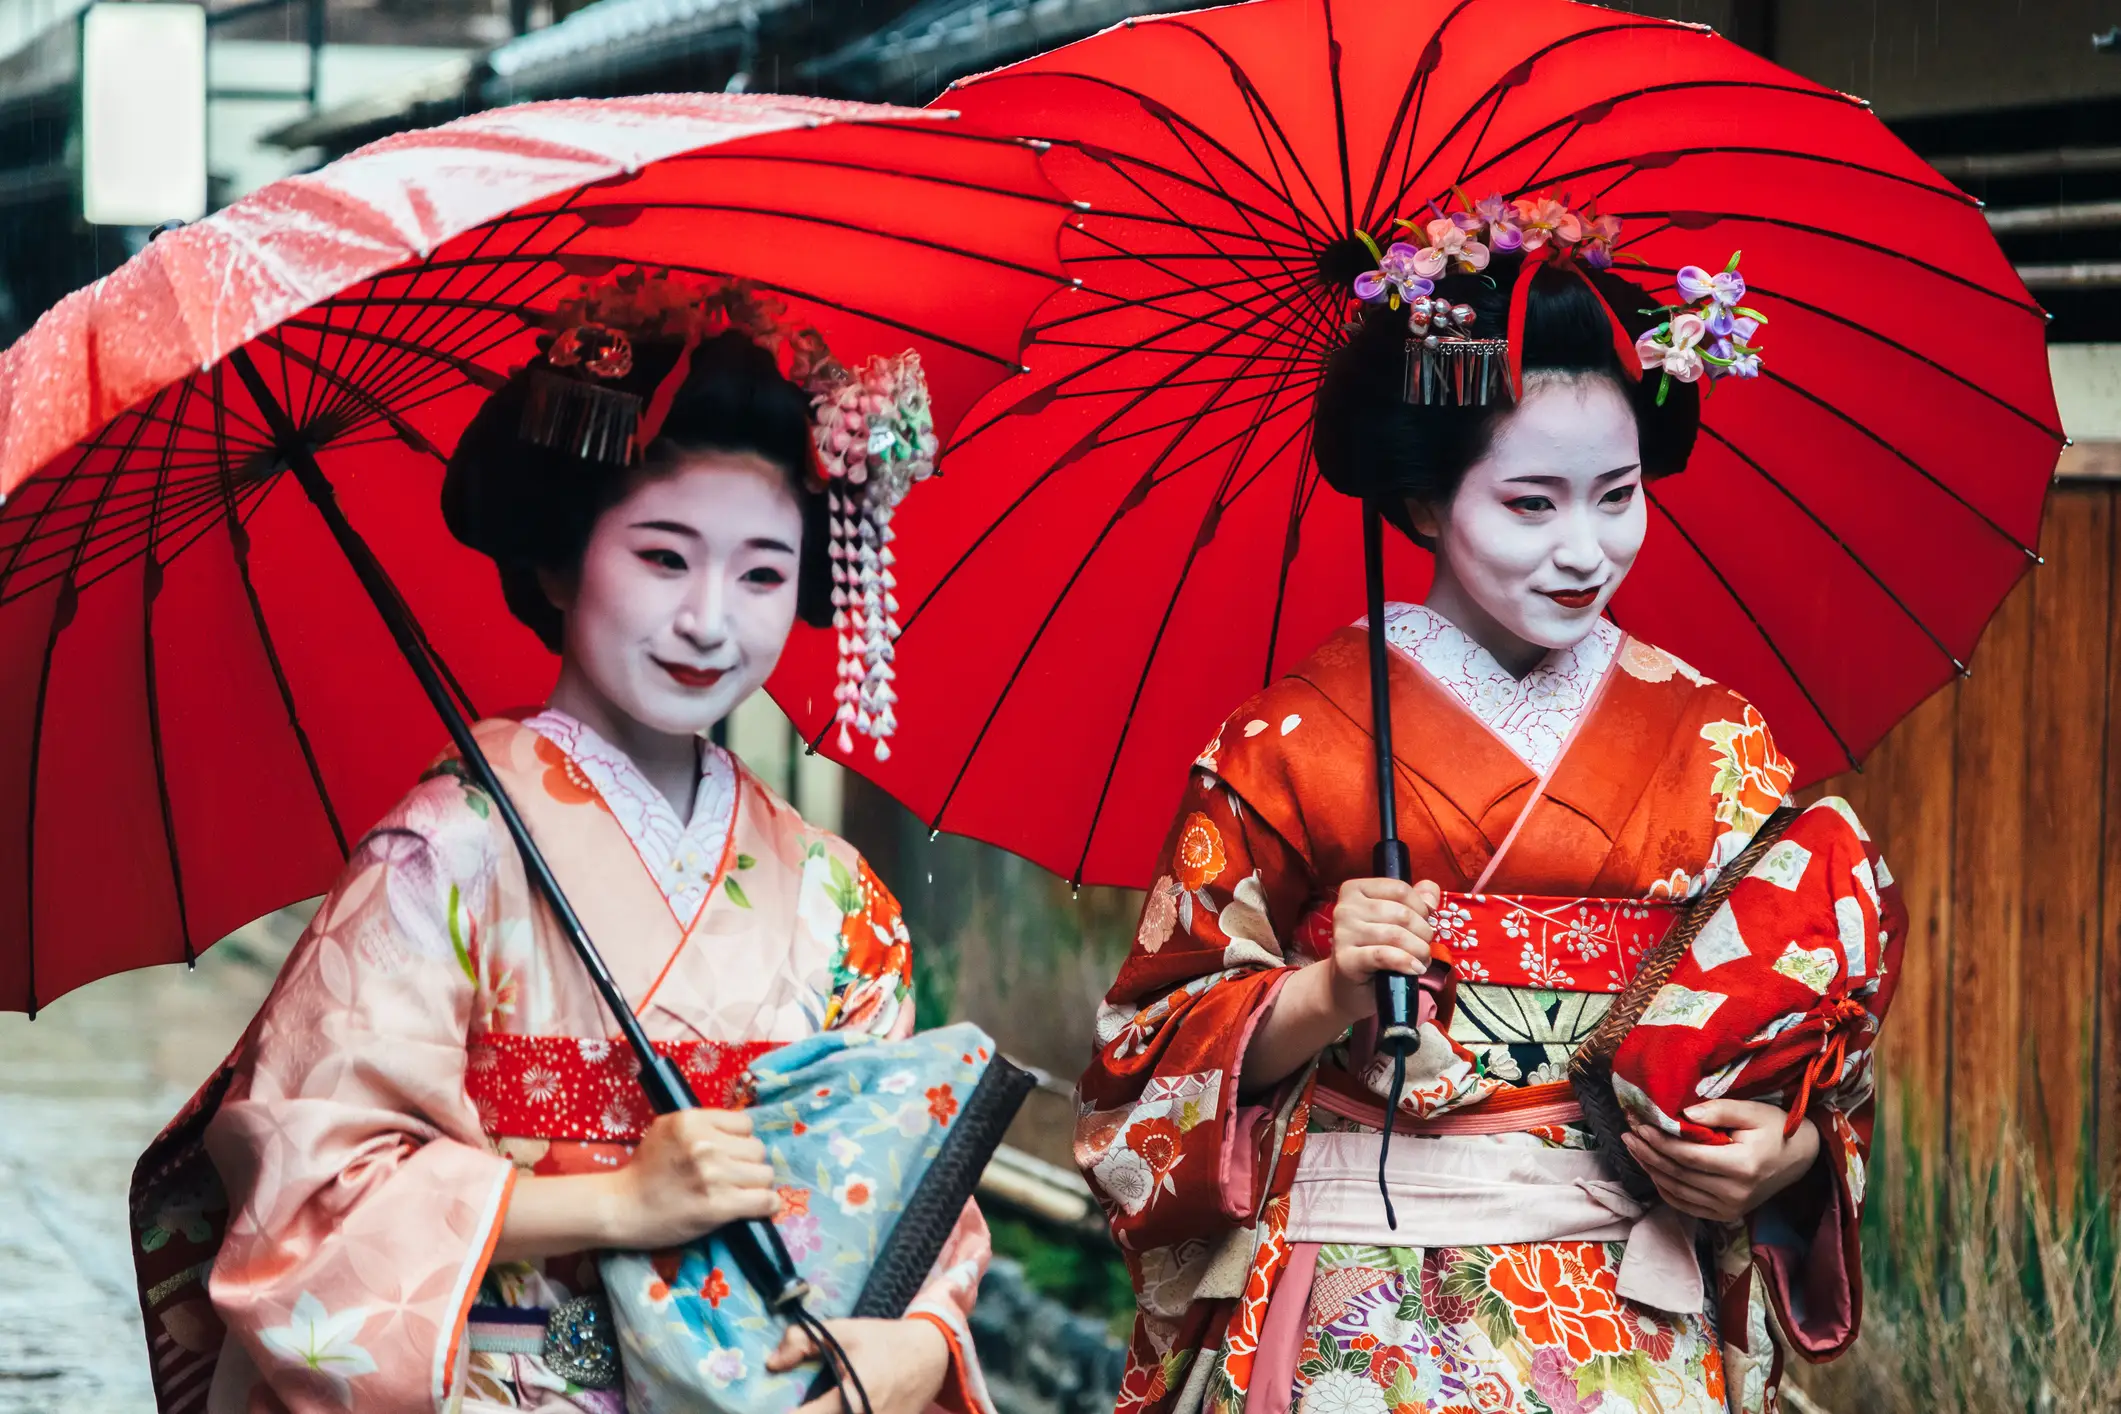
(564, 780)
(1200, 858)
(1666, 779)
(1562, 1294)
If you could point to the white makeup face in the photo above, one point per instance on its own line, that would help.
(1546, 525)
(687, 592)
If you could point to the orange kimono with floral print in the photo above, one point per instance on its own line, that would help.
(1659, 780)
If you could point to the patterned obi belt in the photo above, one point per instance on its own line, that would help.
(573, 1087)
(1555, 944)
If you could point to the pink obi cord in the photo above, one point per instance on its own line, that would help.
(1489, 1117)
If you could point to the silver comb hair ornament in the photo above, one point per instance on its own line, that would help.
(1458, 373)
(596, 424)
(1447, 366)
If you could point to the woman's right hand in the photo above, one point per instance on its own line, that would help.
(1379, 925)
(692, 1172)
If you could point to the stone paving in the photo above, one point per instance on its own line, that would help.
(83, 1088)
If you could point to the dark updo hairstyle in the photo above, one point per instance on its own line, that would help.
(1371, 443)
(531, 508)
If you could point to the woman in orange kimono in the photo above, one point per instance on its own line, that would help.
(390, 1196)
(1562, 788)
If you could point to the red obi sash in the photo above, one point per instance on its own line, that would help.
(1559, 944)
(571, 1087)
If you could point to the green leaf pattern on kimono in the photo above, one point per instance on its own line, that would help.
(460, 929)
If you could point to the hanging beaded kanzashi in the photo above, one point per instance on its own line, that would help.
(875, 439)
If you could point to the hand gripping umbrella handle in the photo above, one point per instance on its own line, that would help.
(754, 1246)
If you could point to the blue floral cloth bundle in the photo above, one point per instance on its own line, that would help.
(875, 1145)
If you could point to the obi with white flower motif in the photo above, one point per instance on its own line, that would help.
(1556, 944)
(568, 1087)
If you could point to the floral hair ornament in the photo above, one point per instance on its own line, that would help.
(1711, 334)
(579, 401)
(1557, 235)
(875, 439)
(872, 431)
(1447, 365)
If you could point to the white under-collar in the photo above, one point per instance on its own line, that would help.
(684, 856)
(1535, 714)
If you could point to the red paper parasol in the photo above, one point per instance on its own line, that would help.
(1133, 538)
(201, 705)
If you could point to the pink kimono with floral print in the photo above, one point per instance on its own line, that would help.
(315, 1226)
(1565, 814)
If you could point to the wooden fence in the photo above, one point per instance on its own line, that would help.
(1998, 806)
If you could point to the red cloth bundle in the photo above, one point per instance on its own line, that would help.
(1780, 996)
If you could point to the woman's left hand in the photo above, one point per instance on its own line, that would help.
(902, 1364)
(1724, 1182)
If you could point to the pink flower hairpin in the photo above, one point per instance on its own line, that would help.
(1450, 243)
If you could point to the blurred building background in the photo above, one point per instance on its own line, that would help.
(2018, 102)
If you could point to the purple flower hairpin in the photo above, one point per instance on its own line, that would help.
(1711, 335)
(1600, 235)
(1396, 278)
(1726, 287)
(1499, 216)
(1466, 239)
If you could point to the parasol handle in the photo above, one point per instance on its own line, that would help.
(1403, 1002)
(755, 1246)
(1397, 1015)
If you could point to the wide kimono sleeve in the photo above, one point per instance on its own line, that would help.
(1170, 1150)
(364, 1203)
(873, 991)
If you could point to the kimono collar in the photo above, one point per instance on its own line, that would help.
(683, 855)
(1533, 715)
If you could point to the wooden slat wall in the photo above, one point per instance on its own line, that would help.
(1998, 807)
(2065, 807)
(2106, 1049)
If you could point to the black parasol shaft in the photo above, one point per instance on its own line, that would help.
(763, 1258)
(1395, 990)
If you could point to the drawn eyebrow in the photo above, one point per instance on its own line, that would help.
(671, 527)
(1563, 480)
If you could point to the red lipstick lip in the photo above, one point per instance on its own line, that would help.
(691, 677)
(1572, 598)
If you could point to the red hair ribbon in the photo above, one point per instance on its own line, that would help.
(1552, 253)
(666, 392)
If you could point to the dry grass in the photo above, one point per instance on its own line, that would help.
(1984, 1296)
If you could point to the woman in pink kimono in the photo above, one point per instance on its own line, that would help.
(401, 1175)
